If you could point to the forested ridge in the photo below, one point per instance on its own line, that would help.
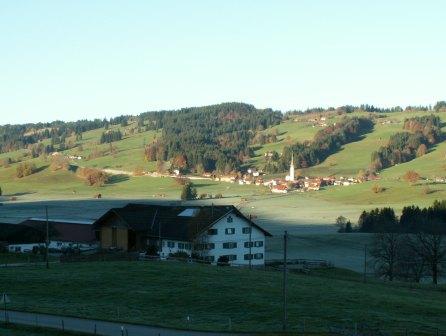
(209, 138)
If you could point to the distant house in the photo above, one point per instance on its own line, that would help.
(63, 234)
(205, 232)
(280, 189)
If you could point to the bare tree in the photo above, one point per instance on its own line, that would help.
(430, 247)
(386, 250)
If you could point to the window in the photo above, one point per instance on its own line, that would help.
(258, 256)
(249, 244)
(229, 219)
(230, 231)
(181, 246)
(248, 256)
(232, 257)
(258, 243)
(212, 232)
(209, 258)
(246, 230)
(229, 245)
(170, 244)
(211, 246)
(187, 246)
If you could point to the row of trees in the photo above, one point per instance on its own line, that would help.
(413, 219)
(423, 133)
(410, 247)
(438, 107)
(326, 142)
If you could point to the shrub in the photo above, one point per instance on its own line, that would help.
(411, 176)
(219, 195)
(93, 177)
(59, 162)
(202, 196)
(179, 255)
(138, 171)
(25, 169)
(378, 189)
(189, 192)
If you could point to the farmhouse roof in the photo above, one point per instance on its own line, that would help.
(69, 231)
(174, 222)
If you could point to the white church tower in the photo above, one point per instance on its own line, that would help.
(290, 177)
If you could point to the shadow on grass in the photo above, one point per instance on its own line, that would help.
(117, 179)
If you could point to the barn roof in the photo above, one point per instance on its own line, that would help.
(65, 230)
(174, 222)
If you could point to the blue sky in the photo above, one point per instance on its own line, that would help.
(84, 59)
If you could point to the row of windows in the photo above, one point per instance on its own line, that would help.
(181, 246)
(229, 231)
(253, 256)
(211, 246)
(232, 257)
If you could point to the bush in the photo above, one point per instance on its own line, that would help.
(93, 177)
(25, 169)
(138, 171)
(189, 192)
(411, 176)
(179, 255)
(202, 196)
(59, 162)
(218, 195)
(378, 189)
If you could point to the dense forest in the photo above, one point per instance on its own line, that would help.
(420, 134)
(326, 142)
(210, 138)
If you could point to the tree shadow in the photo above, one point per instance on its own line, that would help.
(113, 179)
(40, 169)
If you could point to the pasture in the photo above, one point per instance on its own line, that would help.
(166, 293)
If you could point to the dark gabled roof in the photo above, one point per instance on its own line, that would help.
(153, 218)
(64, 230)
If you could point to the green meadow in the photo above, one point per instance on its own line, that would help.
(221, 298)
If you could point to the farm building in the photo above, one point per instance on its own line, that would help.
(207, 232)
(63, 234)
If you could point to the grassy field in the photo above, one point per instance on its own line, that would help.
(15, 330)
(165, 293)
(277, 212)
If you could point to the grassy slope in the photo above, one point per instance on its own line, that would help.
(165, 293)
(311, 208)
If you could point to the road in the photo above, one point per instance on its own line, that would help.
(95, 326)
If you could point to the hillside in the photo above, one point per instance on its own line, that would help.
(165, 293)
(127, 155)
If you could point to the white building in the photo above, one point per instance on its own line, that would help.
(209, 233)
(291, 176)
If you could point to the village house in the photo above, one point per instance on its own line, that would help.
(205, 232)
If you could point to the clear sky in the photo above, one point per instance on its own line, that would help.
(84, 59)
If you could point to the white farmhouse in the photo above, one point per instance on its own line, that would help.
(209, 233)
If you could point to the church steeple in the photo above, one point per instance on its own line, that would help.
(292, 167)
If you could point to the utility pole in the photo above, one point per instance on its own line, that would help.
(365, 262)
(250, 242)
(47, 238)
(160, 242)
(285, 279)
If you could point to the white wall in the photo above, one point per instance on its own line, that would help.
(166, 249)
(238, 237)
